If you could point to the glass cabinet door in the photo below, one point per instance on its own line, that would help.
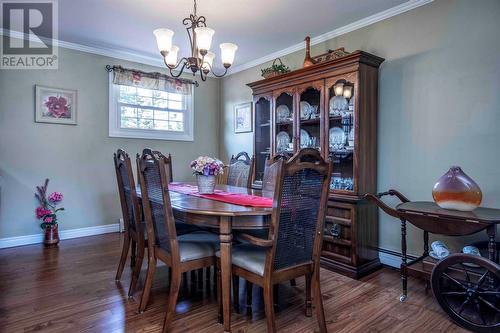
(341, 132)
(262, 135)
(310, 101)
(284, 120)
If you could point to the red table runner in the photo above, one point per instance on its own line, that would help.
(224, 196)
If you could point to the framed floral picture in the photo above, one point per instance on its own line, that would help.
(54, 105)
(243, 118)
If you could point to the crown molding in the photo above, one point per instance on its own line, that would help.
(111, 52)
(388, 13)
(133, 56)
(99, 50)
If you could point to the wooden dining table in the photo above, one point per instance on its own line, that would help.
(224, 217)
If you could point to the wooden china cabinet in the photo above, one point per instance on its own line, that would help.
(330, 106)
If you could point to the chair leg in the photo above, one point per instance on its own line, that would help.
(123, 257)
(276, 293)
(136, 272)
(219, 293)
(236, 293)
(200, 279)
(269, 307)
(318, 303)
(293, 283)
(172, 300)
(249, 289)
(308, 296)
(147, 284)
(132, 255)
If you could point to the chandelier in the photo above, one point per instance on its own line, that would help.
(200, 38)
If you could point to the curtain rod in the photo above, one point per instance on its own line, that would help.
(110, 68)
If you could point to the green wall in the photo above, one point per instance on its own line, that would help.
(78, 159)
(438, 100)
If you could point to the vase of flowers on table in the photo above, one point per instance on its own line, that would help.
(46, 212)
(206, 169)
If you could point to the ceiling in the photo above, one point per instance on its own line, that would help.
(258, 27)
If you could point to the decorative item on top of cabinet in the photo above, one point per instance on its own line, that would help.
(308, 61)
(330, 55)
(292, 111)
(275, 69)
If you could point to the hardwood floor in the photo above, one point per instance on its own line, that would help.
(72, 289)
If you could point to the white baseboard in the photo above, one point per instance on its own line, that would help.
(63, 234)
(391, 258)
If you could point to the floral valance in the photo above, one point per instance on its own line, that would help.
(155, 81)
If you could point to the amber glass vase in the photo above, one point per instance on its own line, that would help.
(455, 190)
(51, 237)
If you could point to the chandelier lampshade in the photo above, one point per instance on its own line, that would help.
(227, 53)
(164, 39)
(200, 38)
(204, 38)
(171, 57)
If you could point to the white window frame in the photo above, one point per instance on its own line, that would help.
(115, 129)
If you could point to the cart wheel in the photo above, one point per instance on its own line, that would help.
(468, 289)
(402, 298)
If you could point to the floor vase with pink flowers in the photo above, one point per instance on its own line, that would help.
(46, 212)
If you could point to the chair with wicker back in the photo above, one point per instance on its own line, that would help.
(293, 248)
(134, 234)
(180, 253)
(271, 168)
(240, 170)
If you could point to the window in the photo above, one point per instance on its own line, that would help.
(138, 112)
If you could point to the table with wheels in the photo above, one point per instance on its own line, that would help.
(467, 287)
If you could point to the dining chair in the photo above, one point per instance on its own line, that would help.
(271, 168)
(180, 253)
(240, 170)
(293, 248)
(134, 234)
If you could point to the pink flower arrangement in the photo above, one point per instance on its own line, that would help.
(47, 210)
(207, 166)
(55, 197)
(57, 107)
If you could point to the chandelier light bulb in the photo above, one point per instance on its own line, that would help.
(204, 38)
(164, 39)
(338, 89)
(347, 92)
(171, 57)
(227, 52)
(208, 61)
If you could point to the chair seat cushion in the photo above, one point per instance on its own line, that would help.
(197, 245)
(249, 257)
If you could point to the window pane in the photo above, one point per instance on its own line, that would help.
(129, 122)
(176, 116)
(146, 101)
(145, 92)
(160, 94)
(127, 111)
(128, 90)
(161, 115)
(127, 98)
(175, 97)
(161, 125)
(146, 123)
(175, 105)
(160, 103)
(145, 113)
(176, 126)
